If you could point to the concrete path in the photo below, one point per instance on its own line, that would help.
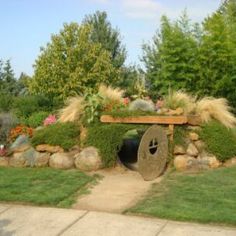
(38, 221)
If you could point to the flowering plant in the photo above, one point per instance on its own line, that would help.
(18, 130)
(51, 119)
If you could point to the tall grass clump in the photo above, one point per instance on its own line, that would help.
(142, 105)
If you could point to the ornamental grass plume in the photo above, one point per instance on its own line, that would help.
(209, 108)
(179, 99)
(73, 110)
(142, 105)
(113, 94)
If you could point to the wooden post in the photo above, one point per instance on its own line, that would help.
(171, 129)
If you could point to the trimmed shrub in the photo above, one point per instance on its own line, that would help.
(108, 139)
(5, 102)
(65, 135)
(220, 140)
(37, 118)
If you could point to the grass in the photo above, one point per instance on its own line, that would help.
(208, 197)
(42, 186)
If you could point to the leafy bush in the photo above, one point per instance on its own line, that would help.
(37, 118)
(25, 106)
(7, 122)
(5, 102)
(108, 139)
(220, 141)
(63, 134)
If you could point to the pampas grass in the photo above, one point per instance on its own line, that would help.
(112, 94)
(179, 99)
(141, 105)
(73, 110)
(209, 108)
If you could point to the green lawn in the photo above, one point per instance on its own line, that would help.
(42, 186)
(208, 197)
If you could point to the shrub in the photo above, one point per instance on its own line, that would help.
(220, 141)
(108, 139)
(37, 118)
(5, 102)
(7, 122)
(63, 134)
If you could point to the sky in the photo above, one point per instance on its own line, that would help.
(27, 25)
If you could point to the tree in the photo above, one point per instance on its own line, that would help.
(7, 78)
(171, 59)
(71, 63)
(103, 33)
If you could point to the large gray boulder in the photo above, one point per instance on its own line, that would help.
(42, 159)
(88, 159)
(61, 161)
(21, 144)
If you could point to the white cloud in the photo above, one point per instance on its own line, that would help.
(142, 9)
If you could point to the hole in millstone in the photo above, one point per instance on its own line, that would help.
(153, 146)
(128, 154)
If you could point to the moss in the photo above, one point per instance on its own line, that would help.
(108, 139)
(63, 134)
(219, 140)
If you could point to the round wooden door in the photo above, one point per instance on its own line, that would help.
(153, 152)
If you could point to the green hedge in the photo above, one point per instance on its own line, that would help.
(219, 140)
(66, 135)
(108, 139)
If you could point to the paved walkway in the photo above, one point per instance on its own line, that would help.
(38, 221)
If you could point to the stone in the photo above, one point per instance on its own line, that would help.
(88, 159)
(193, 136)
(200, 145)
(179, 150)
(74, 150)
(49, 148)
(230, 162)
(210, 160)
(192, 150)
(61, 161)
(4, 161)
(184, 162)
(17, 160)
(42, 159)
(21, 144)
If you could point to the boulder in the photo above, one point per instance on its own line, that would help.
(200, 145)
(4, 161)
(88, 159)
(42, 159)
(179, 150)
(49, 148)
(21, 144)
(61, 161)
(184, 162)
(192, 150)
(193, 136)
(210, 160)
(17, 160)
(230, 162)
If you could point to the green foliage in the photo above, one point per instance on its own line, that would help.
(71, 63)
(208, 197)
(6, 101)
(37, 118)
(64, 135)
(42, 186)
(25, 106)
(171, 60)
(103, 33)
(108, 139)
(219, 140)
(180, 135)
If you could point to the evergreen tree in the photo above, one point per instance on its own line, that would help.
(103, 33)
